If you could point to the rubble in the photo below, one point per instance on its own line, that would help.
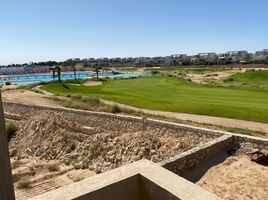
(50, 136)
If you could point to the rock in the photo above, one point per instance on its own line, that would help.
(152, 152)
(67, 162)
(13, 152)
(98, 170)
(77, 166)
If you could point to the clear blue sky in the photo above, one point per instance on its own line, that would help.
(38, 30)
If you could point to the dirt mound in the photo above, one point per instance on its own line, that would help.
(44, 130)
(50, 136)
(237, 178)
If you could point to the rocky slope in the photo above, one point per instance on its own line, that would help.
(49, 135)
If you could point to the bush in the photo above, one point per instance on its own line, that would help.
(91, 100)
(24, 184)
(155, 72)
(16, 164)
(230, 79)
(16, 178)
(72, 145)
(77, 96)
(95, 149)
(8, 83)
(53, 167)
(11, 129)
(115, 109)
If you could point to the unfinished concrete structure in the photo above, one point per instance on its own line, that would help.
(6, 184)
(144, 179)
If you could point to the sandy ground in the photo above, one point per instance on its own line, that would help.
(44, 136)
(92, 83)
(29, 97)
(207, 77)
(41, 180)
(237, 178)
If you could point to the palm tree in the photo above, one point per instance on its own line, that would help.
(53, 69)
(58, 68)
(74, 72)
(96, 69)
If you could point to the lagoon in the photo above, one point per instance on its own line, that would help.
(35, 78)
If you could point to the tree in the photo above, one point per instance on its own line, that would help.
(96, 69)
(70, 63)
(53, 69)
(74, 69)
(58, 68)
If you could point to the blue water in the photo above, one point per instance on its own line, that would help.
(30, 79)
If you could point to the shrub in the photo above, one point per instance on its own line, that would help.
(16, 178)
(95, 149)
(37, 91)
(24, 184)
(16, 164)
(8, 83)
(77, 96)
(115, 109)
(230, 79)
(53, 167)
(72, 145)
(155, 72)
(11, 129)
(91, 100)
(78, 178)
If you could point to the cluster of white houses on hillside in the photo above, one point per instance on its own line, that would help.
(230, 57)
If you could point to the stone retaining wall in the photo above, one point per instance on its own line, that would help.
(219, 140)
(114, 122)
(254, 142)
(194, 156)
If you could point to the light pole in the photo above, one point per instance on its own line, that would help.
(6, 182)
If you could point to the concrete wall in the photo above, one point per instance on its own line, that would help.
(121, 190)
(141, 180)
(6, 184)
(253, 142)
(151, 191)
(136, 187)
(193, 157)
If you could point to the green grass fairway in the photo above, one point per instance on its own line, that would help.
(177, 95)
(251, 77)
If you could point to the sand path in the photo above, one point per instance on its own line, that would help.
(219, 121)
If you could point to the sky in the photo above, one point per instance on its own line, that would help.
(38, 30)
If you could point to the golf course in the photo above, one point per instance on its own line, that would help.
(179, 95)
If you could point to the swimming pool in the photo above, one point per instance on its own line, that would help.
(30, 79)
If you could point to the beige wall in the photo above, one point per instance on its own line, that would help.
(127, 189)
(6, 184)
